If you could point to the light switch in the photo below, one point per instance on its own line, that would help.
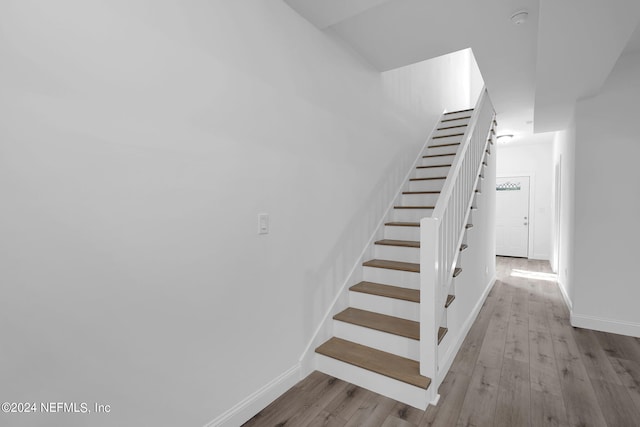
(263, 223)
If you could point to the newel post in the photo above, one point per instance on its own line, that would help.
(429, 272)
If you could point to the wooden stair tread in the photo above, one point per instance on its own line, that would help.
(441, 333)
(388, 291)
(439, 155)
(457, 271)
(414, 207)
(444, 145)
(468, 226)
(420, 192)
(463, 247)
(452, 127)
(393, 265)
(459, 111)
(453, 120)
(380, 322)
(450, 299)
(433, 166)
(402, 224)
(447, 136)
(428, 179)
(380, 362)
(403, 243)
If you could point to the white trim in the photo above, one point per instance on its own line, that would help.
(565, 296)
(532, 206)
(449, 357)
(541, 256)
(306, 361)
(605, 325)
(258, 400)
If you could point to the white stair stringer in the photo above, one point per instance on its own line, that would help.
(392, 388)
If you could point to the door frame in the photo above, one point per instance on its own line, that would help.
(532, 208)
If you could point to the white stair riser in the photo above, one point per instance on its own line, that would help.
(446, 138)
(411, 215)
(419, 199)
(431, 172)
(394, 344)
(442, 132)
(402, 233)
(430, 161)
(450, 149)
(394, 389)
(455, 122)
(386, 276)
(397, 253)
(426, 185)
(384, 305)
(457, 115)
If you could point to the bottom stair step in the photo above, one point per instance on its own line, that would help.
(380, 362)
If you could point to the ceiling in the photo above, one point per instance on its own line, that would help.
(534, 71)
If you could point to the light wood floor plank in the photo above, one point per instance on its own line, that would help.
(326, 419)
(547, 410)
(452, 391)
(616, 404)
(628, 372)
(514, 395)
(372, 412)
(478, 408)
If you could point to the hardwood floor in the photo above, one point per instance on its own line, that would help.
(522, 364)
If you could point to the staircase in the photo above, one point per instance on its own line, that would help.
(377, 341)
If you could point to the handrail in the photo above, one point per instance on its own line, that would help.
(442, 233)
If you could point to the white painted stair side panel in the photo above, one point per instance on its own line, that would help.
(383, 341)
(397, 253)
(401, 233)
(390, 306)
(394, 389)
(386, 276)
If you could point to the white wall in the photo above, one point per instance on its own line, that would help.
(533, 155)
(563, 228)
(413, 87)
(139, 141)
(607, 202)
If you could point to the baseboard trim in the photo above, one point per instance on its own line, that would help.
(605, 325)
(565, 296)
(466, 327)
(255, 402)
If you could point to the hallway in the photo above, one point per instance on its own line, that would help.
(521, 364)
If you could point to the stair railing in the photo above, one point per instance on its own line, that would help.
(441, 236)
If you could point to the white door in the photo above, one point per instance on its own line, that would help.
(512, 216)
